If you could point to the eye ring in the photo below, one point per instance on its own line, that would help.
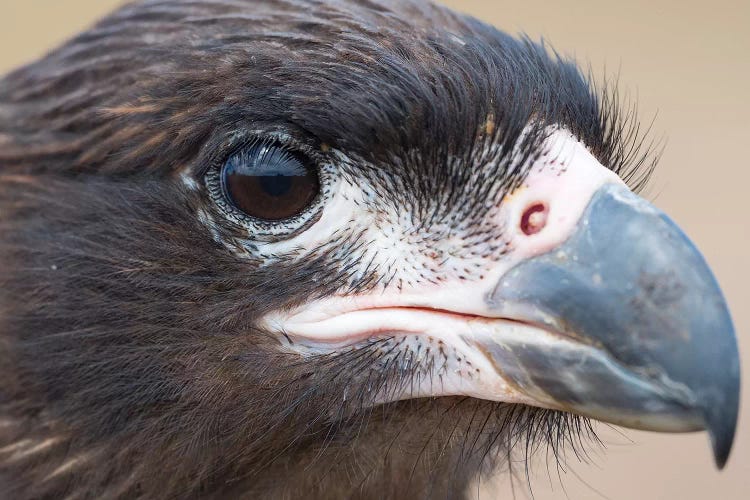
(268, 155)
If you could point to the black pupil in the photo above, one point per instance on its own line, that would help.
(269, 182)
(276, 185)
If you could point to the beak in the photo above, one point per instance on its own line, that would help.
(642, 334)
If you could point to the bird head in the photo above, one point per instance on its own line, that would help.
(331, 246)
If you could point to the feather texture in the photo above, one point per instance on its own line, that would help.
(130, 356)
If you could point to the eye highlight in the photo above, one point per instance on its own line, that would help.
(267, 181)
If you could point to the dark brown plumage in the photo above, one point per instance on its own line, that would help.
(132, 360)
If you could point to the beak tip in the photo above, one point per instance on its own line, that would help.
(721, 426)
(720, 411)
(721, 448)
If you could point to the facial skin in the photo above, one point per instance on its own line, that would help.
(471, 275)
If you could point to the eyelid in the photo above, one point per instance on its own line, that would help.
(216, 151)
(261, 158)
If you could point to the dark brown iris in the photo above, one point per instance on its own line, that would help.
(269, 183)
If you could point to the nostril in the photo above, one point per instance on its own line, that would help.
(534, 218)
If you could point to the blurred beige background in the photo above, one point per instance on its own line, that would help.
(687, 60)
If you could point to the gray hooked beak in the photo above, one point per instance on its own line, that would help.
(647, 340)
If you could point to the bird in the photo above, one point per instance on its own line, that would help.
(332, 249)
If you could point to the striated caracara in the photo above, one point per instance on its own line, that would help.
(330, 249)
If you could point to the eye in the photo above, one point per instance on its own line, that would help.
(267, 181)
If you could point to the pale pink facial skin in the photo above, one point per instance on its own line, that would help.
(536, 218)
